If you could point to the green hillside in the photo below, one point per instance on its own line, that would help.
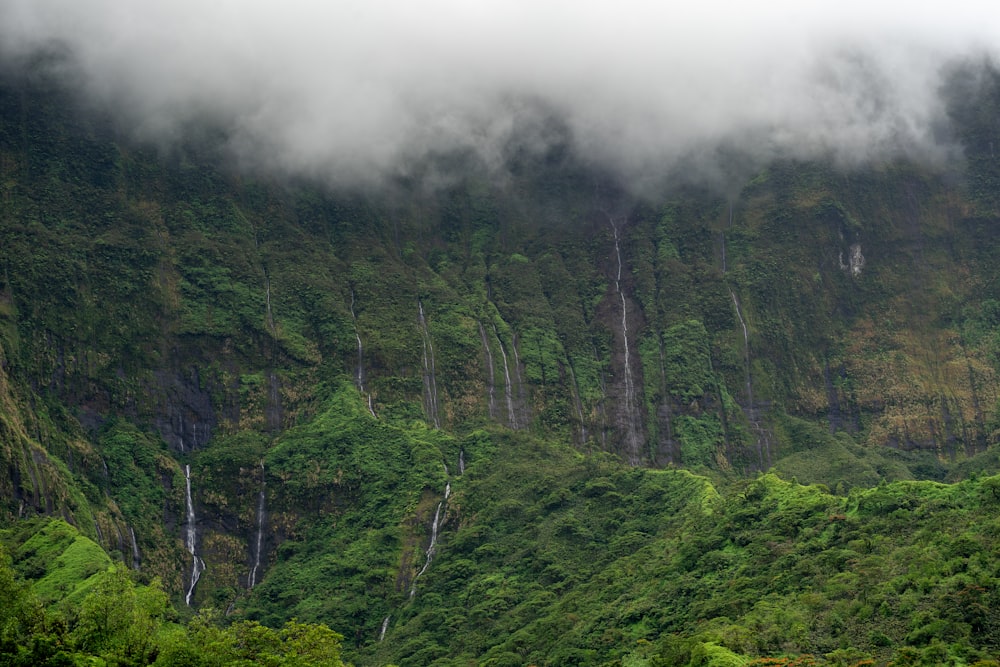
(529, 419)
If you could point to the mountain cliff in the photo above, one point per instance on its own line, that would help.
(277, 396)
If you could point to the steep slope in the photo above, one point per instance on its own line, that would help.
(261, 391)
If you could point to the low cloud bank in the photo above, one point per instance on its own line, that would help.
(353, 92)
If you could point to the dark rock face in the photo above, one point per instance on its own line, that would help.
(187, 415)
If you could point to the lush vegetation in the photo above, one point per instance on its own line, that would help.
(65, 603)
(601, 565)
(332, 382)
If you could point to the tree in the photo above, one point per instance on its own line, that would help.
(119, 620)
(19, 612)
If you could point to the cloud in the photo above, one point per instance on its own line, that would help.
(354, 92)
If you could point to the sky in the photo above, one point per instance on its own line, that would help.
(358, 92)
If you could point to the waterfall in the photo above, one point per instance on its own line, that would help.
(461, 462)
(252, 578)
(180, 437)
(430, 384)
(508, 394)
(632, 439)
(135, 549)
(432, 547)
(746, 348)
(267, 305)
(762, 440)
(490, 387)
(100, 535)
(359, 373)
(385, 626)
(197, 565)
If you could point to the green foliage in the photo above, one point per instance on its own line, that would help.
(140, 293)
(61, 564)
(119, 621)
(686, 362)
(207, 644)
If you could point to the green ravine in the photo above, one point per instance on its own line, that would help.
(523, 420)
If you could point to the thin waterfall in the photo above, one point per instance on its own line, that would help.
(197, 564)
(632, 439)
(180, 436)
(432, 547)
(508, 393)
(430, 384)
(267, 306)
(136, 559)
(100, 535)
(746, 349)
(461, 462)
(491, 385)
(763, 442)
(259, 545)
(385, 626)
(359, 373)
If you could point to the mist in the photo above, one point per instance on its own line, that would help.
(355, 93)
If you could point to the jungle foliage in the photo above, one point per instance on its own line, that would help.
(406, 415)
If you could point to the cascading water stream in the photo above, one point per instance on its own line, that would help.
(430, 384)
(762, 440)
(432, 546)
(359, 373)
(461, 462)
(491, 386)
(259, 544)
(746, 349)
(267, 305)
(631, 432)
(136, 559)
(197, 564)
(385, 626)
(507, 390)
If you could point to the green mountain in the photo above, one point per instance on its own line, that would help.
(511, 418)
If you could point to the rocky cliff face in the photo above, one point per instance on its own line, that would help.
(159, 310)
